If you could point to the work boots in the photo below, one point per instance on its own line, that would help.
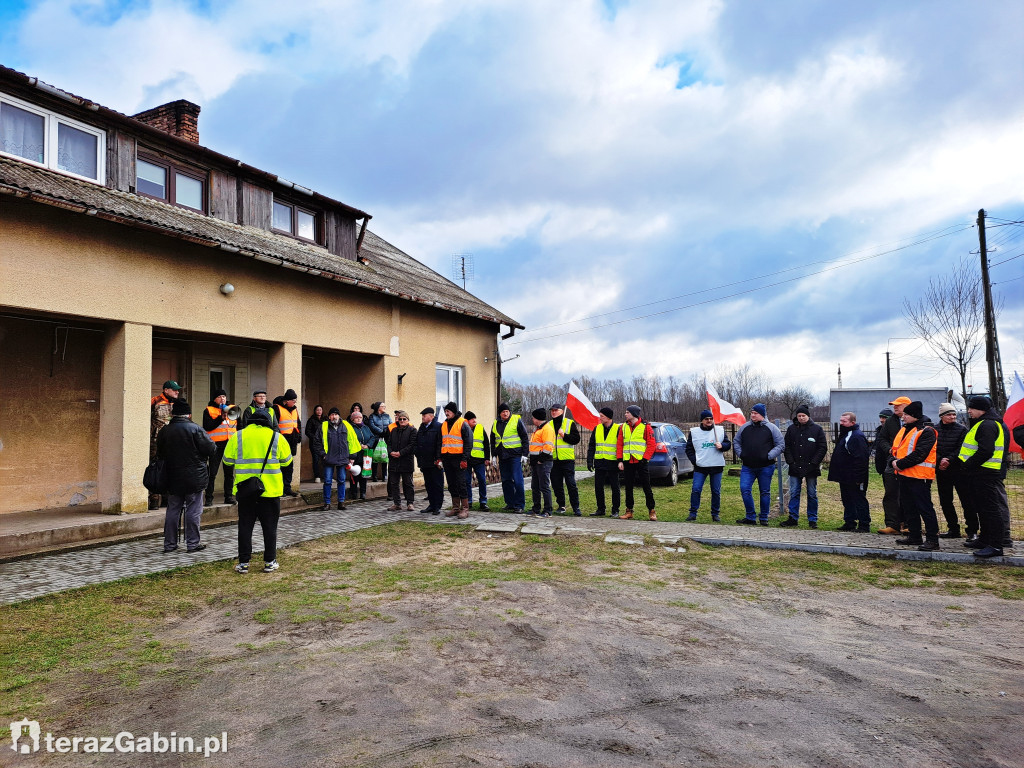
(653, 515)
(628, 515)
(930, 545)
(464, 510)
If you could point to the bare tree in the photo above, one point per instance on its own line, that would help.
(950, 318)
(792, 397)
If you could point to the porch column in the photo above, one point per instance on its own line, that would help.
(284, 371)
(124, 417)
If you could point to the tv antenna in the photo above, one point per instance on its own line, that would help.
(462, 267)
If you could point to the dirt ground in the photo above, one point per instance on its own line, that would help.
(578, 673)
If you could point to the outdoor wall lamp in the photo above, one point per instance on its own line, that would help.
(400, 377)
(227, 289)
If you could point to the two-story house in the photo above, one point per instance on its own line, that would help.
(131, 254)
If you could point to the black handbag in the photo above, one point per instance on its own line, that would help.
(155, 477)
(252, 488)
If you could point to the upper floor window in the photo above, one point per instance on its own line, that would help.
(51, 140)
(294, 220)
(166, 181)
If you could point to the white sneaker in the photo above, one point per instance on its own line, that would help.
(271, 566)
(242, 568)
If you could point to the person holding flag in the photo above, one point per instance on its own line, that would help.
(563, 467)
(706, 451)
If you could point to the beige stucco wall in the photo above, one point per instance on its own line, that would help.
(72, 265)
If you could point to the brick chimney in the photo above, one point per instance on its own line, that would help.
(179, 118)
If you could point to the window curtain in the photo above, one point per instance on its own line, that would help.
(21, 133)
(76, 151)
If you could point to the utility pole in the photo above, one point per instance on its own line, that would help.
(888, 373)
(995, 366)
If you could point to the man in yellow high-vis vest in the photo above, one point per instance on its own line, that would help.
(636, 443)
(479, 455)
(509, 443)
(603, 457)
(563, 466)
(258, 451)
(983, 454)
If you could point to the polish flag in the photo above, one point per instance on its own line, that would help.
(582, 409)
(724, 411)
(1014, 415)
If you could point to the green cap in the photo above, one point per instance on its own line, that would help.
(172, 385)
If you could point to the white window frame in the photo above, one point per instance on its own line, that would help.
(459, 398)
(53, 120)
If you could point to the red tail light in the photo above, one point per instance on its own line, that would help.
(661, 448)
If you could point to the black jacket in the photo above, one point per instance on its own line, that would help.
(572, 437)
(510, 453)
(314, 427)
(402, 439)
(249, 410)
(806, 447)
(476, 460)
(427, 446)
(184, 446)
(210, 423)
(988, 431)
(884, 436)
(951, 437)
(467, 440)
(850, 457)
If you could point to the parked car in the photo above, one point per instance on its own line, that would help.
(669, 458)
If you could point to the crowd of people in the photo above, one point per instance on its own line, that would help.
(255, 447)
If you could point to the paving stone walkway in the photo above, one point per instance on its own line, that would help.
(46, 574)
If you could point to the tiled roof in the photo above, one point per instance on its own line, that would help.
(389, 271)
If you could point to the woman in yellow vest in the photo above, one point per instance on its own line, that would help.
(542, 450)
(913, 452)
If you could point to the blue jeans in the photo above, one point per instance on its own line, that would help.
(332, 473)
(812, 498)
(716, 492)
(512, 486)
(480, 470)
(764, 484)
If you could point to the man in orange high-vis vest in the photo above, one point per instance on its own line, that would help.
(913, 460)
(290, 426)
(542, 451)
(456, 445)
(219, 428)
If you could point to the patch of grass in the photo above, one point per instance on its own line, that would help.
(115, 630)
(688, 605)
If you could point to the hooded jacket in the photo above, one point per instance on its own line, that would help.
(850, 457)
(806, 447)
(184, 446)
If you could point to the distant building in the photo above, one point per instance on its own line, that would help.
(119, 237)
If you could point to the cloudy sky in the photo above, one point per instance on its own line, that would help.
(658, 186)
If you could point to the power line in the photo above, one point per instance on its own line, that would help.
(727, 296)
(1009, 281)
(1005, 260)
(927, 236)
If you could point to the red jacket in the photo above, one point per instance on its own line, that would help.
(648, 438)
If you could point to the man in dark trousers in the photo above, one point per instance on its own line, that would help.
(509, 443)
(984, 454)
(479, 457)
(563, 466)
(427, 449)
(258, 451)
(949, 475)
(849, 467)
(913, 461)
(806, 446)
(456, 445)
(220, 429)
(185, 448)
(603, 459)
(289, 424)
(636, 447)
(889, 425)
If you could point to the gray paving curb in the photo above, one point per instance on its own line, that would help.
(891, 554)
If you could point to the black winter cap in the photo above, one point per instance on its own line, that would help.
(915, 409)
(540, 414)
